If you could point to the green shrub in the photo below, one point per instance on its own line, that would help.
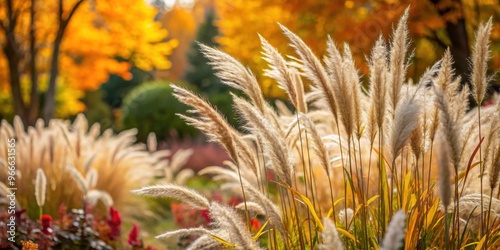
(151, 107)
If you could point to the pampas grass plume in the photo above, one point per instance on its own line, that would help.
(404, 124)
(444, 174)
(480, 56)
(186, 195)
(393, 239)
(40, 187)
(330, 236)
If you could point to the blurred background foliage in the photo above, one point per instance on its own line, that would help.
(151, 107)
(106, 51)
(117, 58)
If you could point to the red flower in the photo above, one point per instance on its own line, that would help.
(133, 237)
(233, 201)
(205, 215)
(46, 223)
(114, 222)
(254, 224)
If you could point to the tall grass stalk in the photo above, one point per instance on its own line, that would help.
(304, 170)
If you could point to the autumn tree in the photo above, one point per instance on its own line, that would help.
(199, 72)
(77, 42)
(434, 26)
(181, 24)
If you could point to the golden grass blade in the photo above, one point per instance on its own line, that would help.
(261, 231)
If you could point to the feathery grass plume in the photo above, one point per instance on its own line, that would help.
(206, 242)
(183, 176)
(460, 104)
(234, 74)
(91, 178)
(313, 69)
(444, 173)
(317, 143)
(78, 178)
(449, 127)
(184, 231)
(19, 127)
(93, 196)
(339, 68)
(186, 195)
(228, 219)
(215, 127)
(151, 142)
(40, 187)
(287, 78)
(275, 149)
(495, 166)
(330, 236)
(470, 209)
(446, 73)
(480, 57)
(352, 81)
(378, 76)
(417, 138)
(398, 64)
(179, 159)
(252, 206)
(395, 234)
(492, 137)
(403, 125)
(346, 216)
(271, 210)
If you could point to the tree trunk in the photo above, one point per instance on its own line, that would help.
(457, 34)
(15, 83)
(34, 100)
(11, 51)
(50, 95)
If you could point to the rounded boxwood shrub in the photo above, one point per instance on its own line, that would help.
(151, 107)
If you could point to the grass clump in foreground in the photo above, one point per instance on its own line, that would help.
(400, 166)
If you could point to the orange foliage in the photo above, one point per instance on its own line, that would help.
(356, 22)
(181, 24)
(98, 33)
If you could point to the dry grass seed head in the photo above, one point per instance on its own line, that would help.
(398, 64)
(40, 187)
(317, 143)
(394, 237)
(449, 127)
(215, 127)
(404, 124)
(287, 78)
(378, 75)
(93, 196)
(251, 206)
(352, 80)
(339, 69)
(313, 69)
(480, 57)
(234, 74)
(151, 142)
(274, 146)
(186, 195)
(330, 236)
(444, 173)
(228, 219)
(495, 166)
(184, 231)
(271, 210)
